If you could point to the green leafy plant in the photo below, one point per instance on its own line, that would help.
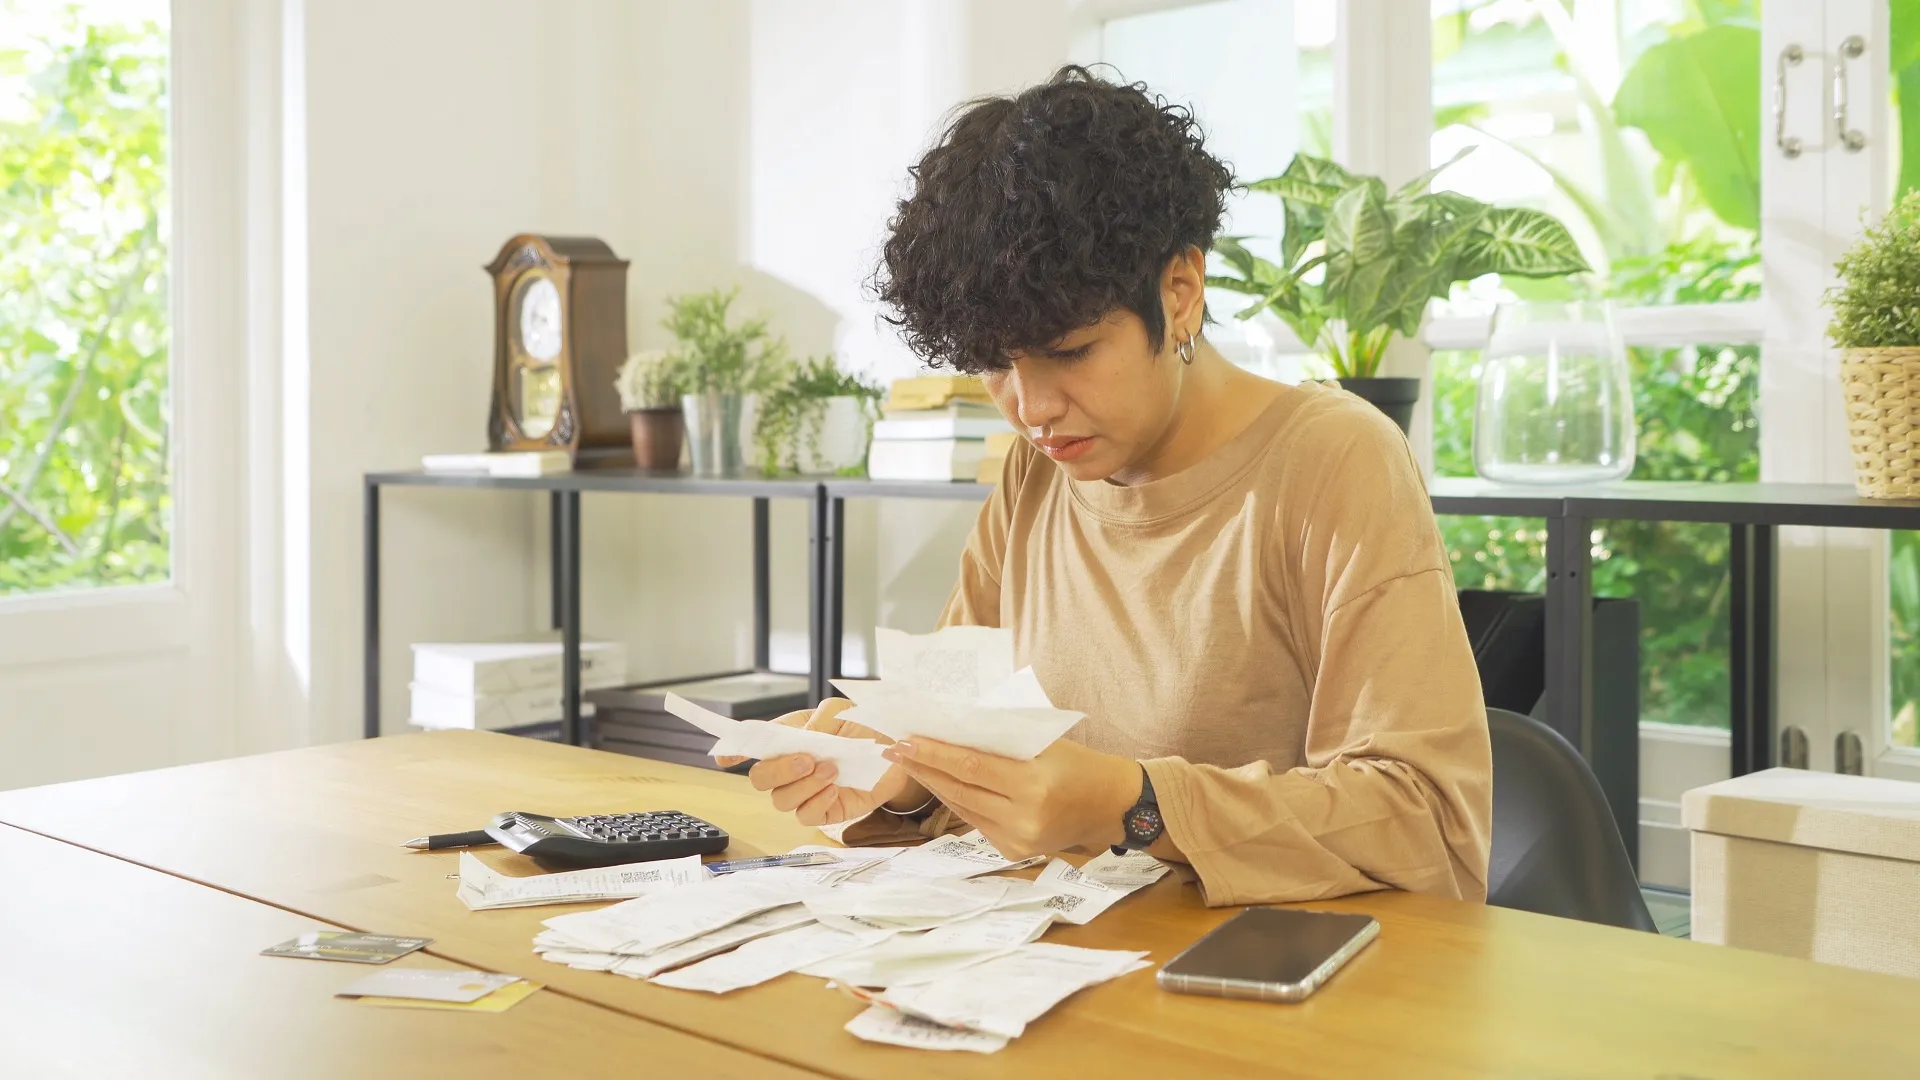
(793, 412)
(1877, 304)
(1379, 256)
(715, 355)
(650, 380)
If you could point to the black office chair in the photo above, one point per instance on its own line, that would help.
(1556, 849)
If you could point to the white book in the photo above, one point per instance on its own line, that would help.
(497, 667)
(971, 409)
(942, 426)
(437, 709)
(509, 463)
(925, 459)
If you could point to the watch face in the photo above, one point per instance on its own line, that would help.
(540, 319)
(1143, 824)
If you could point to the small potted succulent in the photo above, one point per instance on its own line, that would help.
(1876, 325)
(650, 386)
(816, 420)
(1359, 263)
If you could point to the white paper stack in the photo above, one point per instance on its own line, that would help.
(496, 685)
(500, 463)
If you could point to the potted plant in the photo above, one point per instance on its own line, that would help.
(649, 385)
(1359, 263)
(721, 366)
(1876, 324)
(816, 419)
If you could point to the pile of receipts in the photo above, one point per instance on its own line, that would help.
(946, 956)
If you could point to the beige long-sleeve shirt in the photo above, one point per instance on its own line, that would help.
(1274, 634)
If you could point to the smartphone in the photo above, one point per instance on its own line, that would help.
(1269, 954)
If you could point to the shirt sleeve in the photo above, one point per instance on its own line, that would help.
(1396, 786)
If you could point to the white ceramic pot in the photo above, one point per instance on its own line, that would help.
(844, 432)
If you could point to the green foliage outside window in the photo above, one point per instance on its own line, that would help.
(84, 411)
(1679, 232)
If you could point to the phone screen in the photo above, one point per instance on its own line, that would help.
(1269, 945)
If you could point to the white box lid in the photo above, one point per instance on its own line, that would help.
(1861, 814)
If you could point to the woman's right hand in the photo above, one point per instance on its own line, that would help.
(805, 786)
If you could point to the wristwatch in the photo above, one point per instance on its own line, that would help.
(1142, 820)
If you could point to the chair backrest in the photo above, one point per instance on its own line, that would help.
(1556, 849)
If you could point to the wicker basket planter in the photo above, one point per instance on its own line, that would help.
(1882, 391)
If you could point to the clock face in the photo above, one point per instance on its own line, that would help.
(540, 319)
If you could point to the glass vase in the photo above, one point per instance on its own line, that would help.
(1556, 401)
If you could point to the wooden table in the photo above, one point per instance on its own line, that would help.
(112, 970)
(1450, 989)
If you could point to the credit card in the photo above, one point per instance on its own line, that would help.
(352, 948)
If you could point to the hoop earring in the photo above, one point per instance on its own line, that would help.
(1184, 350)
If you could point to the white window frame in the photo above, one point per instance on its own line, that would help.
(195, 612)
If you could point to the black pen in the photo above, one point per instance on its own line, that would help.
(476, 838)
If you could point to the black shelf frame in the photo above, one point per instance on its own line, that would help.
(563, 532)
(1752, 513)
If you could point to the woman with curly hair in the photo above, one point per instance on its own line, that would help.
(1240, 583)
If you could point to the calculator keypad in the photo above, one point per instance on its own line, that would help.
(642, 827)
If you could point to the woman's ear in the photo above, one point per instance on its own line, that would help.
(1183, 291)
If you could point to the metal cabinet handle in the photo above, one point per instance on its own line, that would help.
(1850, 49)
(1789, 144)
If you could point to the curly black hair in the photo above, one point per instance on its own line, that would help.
(1044, 212)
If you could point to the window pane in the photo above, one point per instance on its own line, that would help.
(1635, 122)
(1258, 74)
(84, 412)
(1695, 413)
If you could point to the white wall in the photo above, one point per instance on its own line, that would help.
(730, 141)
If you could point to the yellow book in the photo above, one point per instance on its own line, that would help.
(934, 391)
(998, 447)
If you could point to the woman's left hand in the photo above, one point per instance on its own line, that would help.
(1068, 796)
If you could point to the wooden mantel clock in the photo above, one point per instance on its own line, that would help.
(560, 335)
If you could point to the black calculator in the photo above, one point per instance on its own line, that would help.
(606, 839)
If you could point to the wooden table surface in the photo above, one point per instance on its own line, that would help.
(1449, 989)
(112, 970)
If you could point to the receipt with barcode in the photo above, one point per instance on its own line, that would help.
(1076, 895)
(1003, 995)
(949, 857)
(925, 956)
(768, 957)
(483, 888)
(668, 918)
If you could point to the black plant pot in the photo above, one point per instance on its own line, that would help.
(1395, 397)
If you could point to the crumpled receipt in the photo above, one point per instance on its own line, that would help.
(859, 760)
(959, 686)
(999, 997)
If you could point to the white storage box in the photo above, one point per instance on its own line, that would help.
(1813, 865)
(435, 708)
(501, 667)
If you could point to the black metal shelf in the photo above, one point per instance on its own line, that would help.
(1751, 511)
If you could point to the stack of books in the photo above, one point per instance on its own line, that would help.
(501, 463)
(503, 685)
(999, 445)
(935, 427)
